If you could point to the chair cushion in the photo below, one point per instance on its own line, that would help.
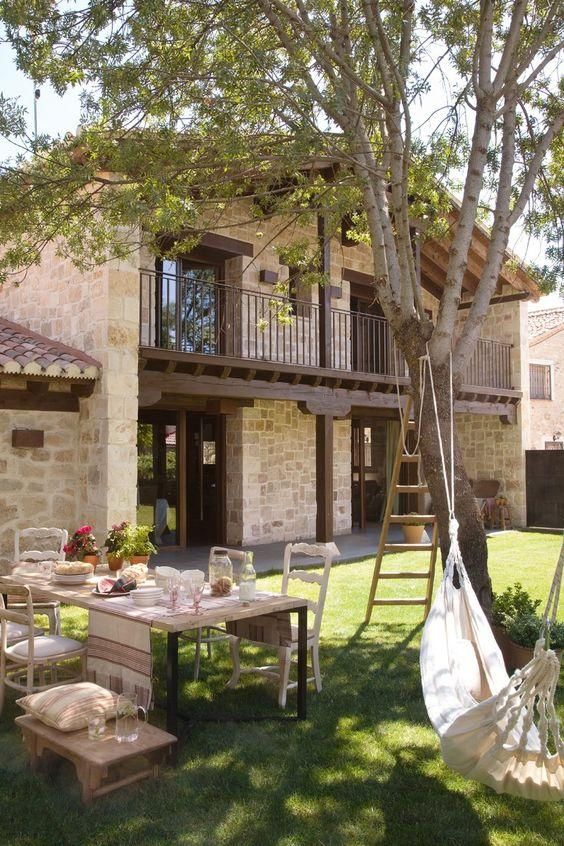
(15, 631)
(46, 647)
(69, 707)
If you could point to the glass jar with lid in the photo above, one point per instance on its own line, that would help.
(220, 573)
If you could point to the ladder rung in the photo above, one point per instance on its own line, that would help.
(417, 574)
(399, 602)
(408, 547)
(412, 489)
(412, 519)
(411, 459)
(410, 425)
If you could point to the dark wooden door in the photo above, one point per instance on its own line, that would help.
(545, 488)
(205, 495)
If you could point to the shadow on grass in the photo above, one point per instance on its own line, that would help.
(363, 769)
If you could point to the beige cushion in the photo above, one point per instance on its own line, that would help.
(15, 631)
(46, 647)
(69, 707)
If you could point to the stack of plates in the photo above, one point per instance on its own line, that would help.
(144, 597)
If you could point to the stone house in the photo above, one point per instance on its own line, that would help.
(193, 409)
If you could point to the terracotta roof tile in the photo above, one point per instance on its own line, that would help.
(545, 320)
(26, 352)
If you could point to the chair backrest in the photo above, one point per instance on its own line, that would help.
(234, 555)
(40, 544)
(23, 616)
(327, 552)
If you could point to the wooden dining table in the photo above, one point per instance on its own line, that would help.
(213, 612)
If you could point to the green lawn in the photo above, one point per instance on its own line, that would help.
(363, 769)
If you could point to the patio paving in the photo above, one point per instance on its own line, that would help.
(269, 556)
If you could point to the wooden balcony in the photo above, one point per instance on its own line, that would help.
(200, 327)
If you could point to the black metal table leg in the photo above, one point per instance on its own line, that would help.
(172, 682)
(302, 662)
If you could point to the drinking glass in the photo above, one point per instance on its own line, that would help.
(127, 717)
(174, 584)
(196, 589)
(96, 727)
(45, 568)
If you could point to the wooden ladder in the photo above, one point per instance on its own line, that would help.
(396, 488)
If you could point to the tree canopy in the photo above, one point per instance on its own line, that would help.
(190, 104)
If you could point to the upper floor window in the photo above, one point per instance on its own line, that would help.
(540, 381)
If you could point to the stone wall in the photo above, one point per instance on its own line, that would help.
(95, 311)
(271, 474)
(38, 486)
(494, 450)
(547, 416)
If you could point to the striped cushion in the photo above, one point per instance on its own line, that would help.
(68, 707)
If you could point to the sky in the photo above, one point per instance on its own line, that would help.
(59, 115)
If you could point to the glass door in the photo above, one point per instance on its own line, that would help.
(157, 475)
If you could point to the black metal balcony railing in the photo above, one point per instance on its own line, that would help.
(490, 365)
(194, 315)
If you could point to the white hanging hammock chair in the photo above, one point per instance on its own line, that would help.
(486, 720)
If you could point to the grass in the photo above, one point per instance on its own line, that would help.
(363, 769)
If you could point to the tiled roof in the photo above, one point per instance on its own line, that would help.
(545, 320)
(30, 354)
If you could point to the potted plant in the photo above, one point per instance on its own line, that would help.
(113, 544)
(129, 543)
(412, 530)
(516, 626)
(82, 547)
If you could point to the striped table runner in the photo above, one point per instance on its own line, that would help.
(119, 655)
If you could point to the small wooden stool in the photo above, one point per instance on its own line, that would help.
(93, 759)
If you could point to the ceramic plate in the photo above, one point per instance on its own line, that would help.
(71, 579)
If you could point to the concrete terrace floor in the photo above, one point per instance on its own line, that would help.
(269, 556)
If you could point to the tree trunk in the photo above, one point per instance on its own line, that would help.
(471, 532)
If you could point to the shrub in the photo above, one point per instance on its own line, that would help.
(512, 604)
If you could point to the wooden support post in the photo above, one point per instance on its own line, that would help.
(325, 358)
(324, 477)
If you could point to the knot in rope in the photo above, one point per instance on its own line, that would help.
(453, 529)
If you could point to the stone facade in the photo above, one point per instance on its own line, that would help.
(271, 474)
(494, 450)
(271, 447)
(38, 486)
(547, 347)
(95, 311)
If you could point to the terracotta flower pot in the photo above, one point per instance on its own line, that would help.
(412, 533)
(139, 559)
(91, 559)
(114, 561)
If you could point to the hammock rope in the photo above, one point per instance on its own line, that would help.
(502, 739)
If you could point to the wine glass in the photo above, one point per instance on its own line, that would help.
(173, 592)
(196, 589)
